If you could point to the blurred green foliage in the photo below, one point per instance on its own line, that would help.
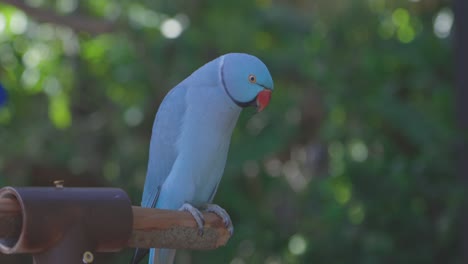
(352, 162)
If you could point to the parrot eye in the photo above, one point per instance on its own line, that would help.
(252, 78)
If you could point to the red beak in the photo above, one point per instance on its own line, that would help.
(263, 98)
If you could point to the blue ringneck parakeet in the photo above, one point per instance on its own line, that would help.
(191, 135)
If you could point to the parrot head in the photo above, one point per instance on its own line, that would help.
(247, 80)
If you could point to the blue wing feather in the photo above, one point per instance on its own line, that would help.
(163, 150)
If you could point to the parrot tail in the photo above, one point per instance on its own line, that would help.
(162, 256)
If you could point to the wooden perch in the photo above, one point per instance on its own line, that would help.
(175, 229)
(151, 228)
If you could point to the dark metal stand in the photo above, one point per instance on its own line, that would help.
(67, 225)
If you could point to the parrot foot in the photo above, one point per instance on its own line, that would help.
(219, 211)
(197, 215)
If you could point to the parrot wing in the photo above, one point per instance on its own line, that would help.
(163, 150)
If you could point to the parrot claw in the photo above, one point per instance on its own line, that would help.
(219, 211)
(197, 215)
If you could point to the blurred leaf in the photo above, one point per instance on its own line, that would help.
(59, 111)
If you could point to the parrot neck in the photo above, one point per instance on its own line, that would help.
(211, 91)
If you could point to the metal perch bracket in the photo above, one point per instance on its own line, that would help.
(67, 225)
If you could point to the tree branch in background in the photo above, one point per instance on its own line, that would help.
(76, 22)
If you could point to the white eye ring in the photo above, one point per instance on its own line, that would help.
(252, 78)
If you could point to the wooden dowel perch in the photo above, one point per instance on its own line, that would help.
(151, 228)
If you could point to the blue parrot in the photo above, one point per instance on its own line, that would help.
(191, 136)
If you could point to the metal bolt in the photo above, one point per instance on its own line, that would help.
(59, 183)
(88, 257)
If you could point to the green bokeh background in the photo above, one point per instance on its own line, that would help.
(352, 162)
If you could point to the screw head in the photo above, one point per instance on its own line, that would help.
(59, 183)
(88, 257)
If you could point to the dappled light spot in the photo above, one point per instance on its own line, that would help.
(342, 192)
(294, 175)
(67, 6)
(297, 244)
(386, 28)
(112, 10)
(35, 3)
(52, 86)
(356, 214)
(251, 168)
(30, 77)
(406, 34)
(358, 150)
(171, 28)
(69, 40)
(273, 167)
(18, 23)
(143, 17)
(443, 23)
(400, 17)
(59, 111)
(2, 23)
(405, 31)
(133, 116)
(32, 58)
(299, 154)
(183, 19)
